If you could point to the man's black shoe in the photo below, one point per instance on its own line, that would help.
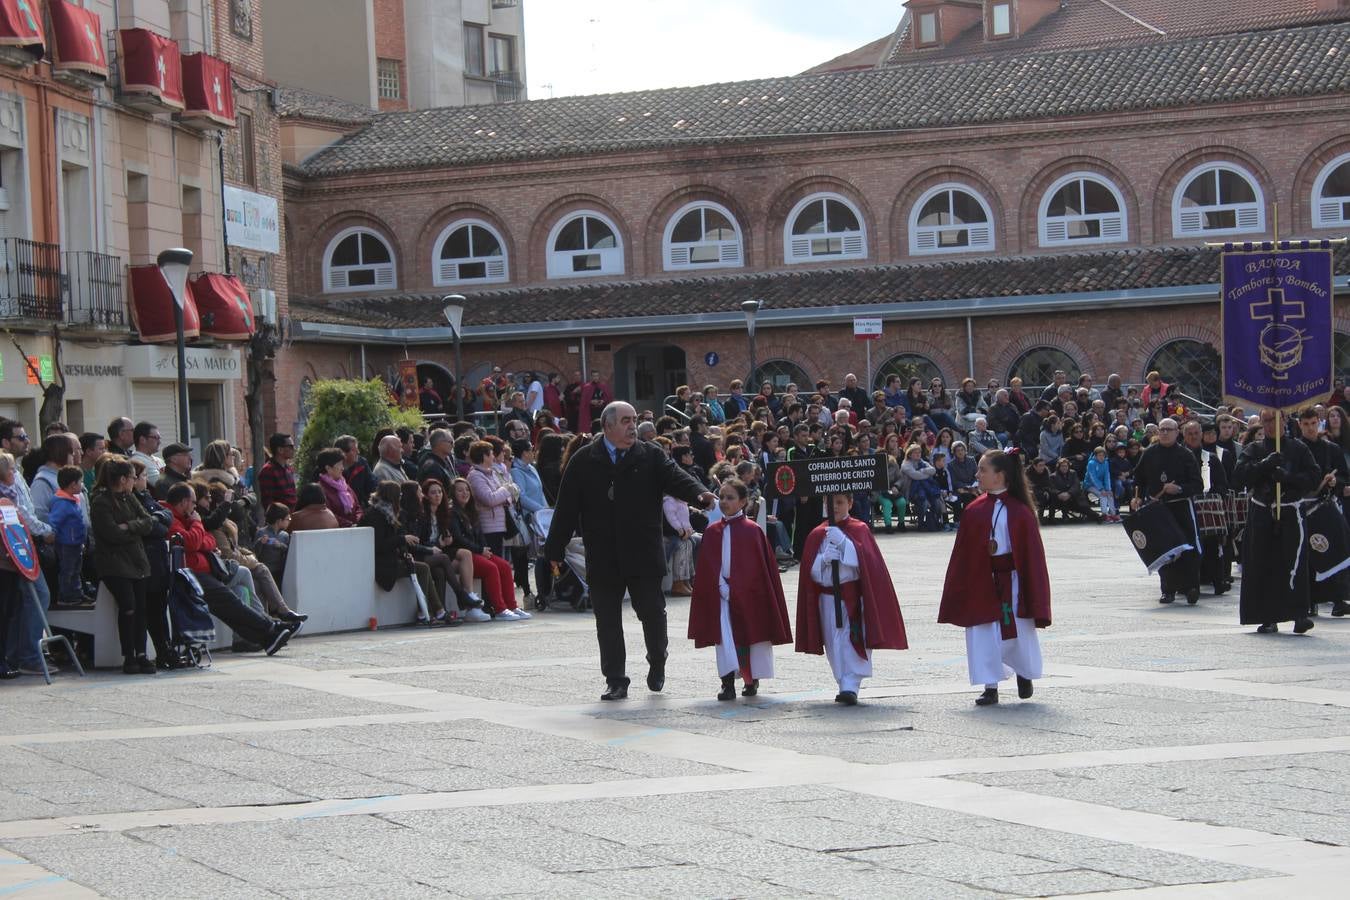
(1220, 589)
(1340, 608)
(1024, 687)
(615, 692)
(848, 698)
(988, 698)
(1268, 628)
(8, 674)
(1167, 598)
(656, 674)
(144, 666)
(242, 646)
(1303, 626)
(751, 689)
(294, 617)
(280, 636)
(728, 691)
(1193, 596)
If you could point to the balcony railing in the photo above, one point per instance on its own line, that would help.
(93, 289)
(508, 86)
(30, 280)
(505, 4)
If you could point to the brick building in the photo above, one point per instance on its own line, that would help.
(1014, 186)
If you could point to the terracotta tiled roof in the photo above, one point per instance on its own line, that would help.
(865, 57)
(1075, 273)
(1083, 24)
(1008, 87)
(298, 103)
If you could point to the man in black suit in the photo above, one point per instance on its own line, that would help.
(613, 489)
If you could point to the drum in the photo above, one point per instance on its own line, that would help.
(1156, 536)
(1237, 512)
(1326, 539)
(1211, 516)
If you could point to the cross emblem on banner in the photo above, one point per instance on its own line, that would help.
(93, 41)
(1280, 344)
(216, 88)
(1270, 309)
(159, 64)
(28, 14)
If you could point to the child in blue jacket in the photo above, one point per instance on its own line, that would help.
(1100, 482)
(66, 517)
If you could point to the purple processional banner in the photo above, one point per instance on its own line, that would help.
(1277, 323)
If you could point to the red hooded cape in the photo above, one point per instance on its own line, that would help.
(883, 627)
(758, 608)
(969, 597)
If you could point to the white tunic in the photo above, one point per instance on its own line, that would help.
(848, 667)
(761, 654)
(990, 658)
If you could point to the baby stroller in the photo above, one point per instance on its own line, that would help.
(569, 588)
(191, 628)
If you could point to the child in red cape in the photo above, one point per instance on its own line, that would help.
(738, 603)
(997, 586)
(870, 615)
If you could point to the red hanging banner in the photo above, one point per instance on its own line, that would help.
(152, 306)
(225, 308)
(77, 43)
(151, 66)
(208, 90)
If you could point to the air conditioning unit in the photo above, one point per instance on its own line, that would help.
(264, 305)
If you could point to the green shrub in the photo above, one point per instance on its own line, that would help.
(358, 408)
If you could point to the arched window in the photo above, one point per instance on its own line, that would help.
(1191, 367)
(1082, 208)
(469, 250)
(1037, 366)
(356, 259)
(1219, 198)
(780, 373)
(824, 226)
(907, 366)
(1331, 194)
(584, 243)
(702, 236)
(950, 218)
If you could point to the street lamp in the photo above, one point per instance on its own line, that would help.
(173, 265)
(454, 315)
(751, 308)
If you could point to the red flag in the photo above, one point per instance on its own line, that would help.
(208, 89)
(151, 66)
(77, 43)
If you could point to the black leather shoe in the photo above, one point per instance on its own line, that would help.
(1024, 687)
(728, 691)
(1268, 628)
(1220, 589)
(848, 698)
(656, 675)
(615, 692)
(988, 698)
(1167, 598)
(294, 617)
(1193, 596)
(8, 674)
(1340, 608)
(751, 689)
(1303, 626)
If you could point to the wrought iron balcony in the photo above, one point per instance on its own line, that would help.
(508, 86)
(505, 4)
(30, 280)
(93, 289)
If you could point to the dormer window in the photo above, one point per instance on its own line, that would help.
(928, 29)
(1000, 20)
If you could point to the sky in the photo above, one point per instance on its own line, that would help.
(601, 46)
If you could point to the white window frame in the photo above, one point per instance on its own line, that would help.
(1250, 217)
(446, 271)
(923, 241)
(560, 261)
(389, 78)
(1330, 213)
(335, 277)
(797, 248)
(677, 255)
(1055, 233)
(921, 20)
(1006, 7)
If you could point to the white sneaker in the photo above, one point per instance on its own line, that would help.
(476, 615)
(522, 614)
(506, 615)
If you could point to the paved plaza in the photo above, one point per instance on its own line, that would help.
(1168, 752)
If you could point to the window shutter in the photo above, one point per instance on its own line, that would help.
(1248, 217)
(1329, 212)
(979, 236)
(449, 271)
(800, 248)
(731, 252)
(925, 239)
(155, 402)
(337, 278)
(1191, 221)
(679, 257)
(853, 245)
(1056, 231)
(384, 275)
(1113, 227)
(496, 268)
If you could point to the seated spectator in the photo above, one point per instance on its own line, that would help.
(389, 466)
(495, 572)
(227, 545)
(355, 470)
(311, 510)
(1067, 495)
(218, 468)
(894, 500)
(273, 541)
(92, 447)
(963, 466)
(950, 503)
(67, 515)
(1050, 445)
(435, 531)
(982, 439)
(1100, 483)
(177, 469)
(970, 404)
(444, 602)
(924, 494)
(276, 479)
(394, 548)
(329, 465)
(249, 625)
(54, 454)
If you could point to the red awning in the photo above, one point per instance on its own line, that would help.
(152, 306)
(21, 30)
(208, 89)
(151, 67)
(77, 42)
(225, 306)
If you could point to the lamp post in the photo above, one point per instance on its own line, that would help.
(173, 265)
(751, 308)
(454, 316)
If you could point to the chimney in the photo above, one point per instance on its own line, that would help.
(936, 23)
